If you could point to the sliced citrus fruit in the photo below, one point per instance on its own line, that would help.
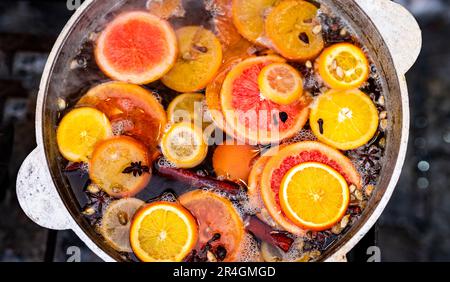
(136, 47)
(132, 109)
(344, 119)
(343, 66)
(116, 222)
(199, 59)
(290, 156)
(280, 83)
(314, 196)
(234, 161)
(212, 93)
(254, 186)
(290, 27)
(251, 117)
(166, 8)
(79, 131)
(188, 107)
(216, 215)
(120, 166)
(184, 146)
(249, 16)
(163, 232)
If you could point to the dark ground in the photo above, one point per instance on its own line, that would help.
(414, 227)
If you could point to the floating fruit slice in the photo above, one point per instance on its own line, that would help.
(136, 47)
(184, 146)
(116, 222)
(281, 83)
(163, 232)
(79, 131)
(188, 107)
(199, 60)
(290, 156)
(314, 196)
(120, 166)
(290, 26)
(234, 161)
(212, 93)
(216, 215)
(254, 187)
(248, 17)
(343, 66)
(248, 115)
(344, 119)
(133, 110)
(166, 8)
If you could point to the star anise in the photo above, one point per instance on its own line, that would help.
(136, 168)
(368, 158)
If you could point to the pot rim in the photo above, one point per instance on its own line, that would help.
(340, 251)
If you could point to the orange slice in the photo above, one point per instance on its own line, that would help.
(248, 17)
(234, 161)
(136, 47)
(281, 83)
(79, 131)
(251, 117)
(290, 27)
(132, 110)
(184, 145)
(199, 59)
(314, 196)
(343, 66)
(216, 214)
(163, 232)
(110, 159)
(344, 119)
(116, 222)
(290, 156)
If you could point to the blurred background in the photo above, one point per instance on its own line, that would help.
(415, 226)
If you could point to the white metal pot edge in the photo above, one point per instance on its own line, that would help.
(41, 202)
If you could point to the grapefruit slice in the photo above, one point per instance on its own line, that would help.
(290, 156)
(212, 93)
(199, 60)
(254, 186)
(136, 47)
(251, 116)
(132, 110)
(216, 215)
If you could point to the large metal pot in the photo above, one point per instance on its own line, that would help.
(391, 34)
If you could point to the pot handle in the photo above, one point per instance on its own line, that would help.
(399, 29)
(37, 195)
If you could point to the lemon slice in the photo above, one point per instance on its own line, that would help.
(344, 119)
(79, 131)
(188, 107)
(116, 222)
(314, 196)
(163, 232)
(184, 146)
(280, 83)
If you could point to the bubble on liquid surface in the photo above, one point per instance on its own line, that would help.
(249, 250)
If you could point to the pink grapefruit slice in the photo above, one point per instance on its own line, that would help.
(136, 47)
(290, 156)
(252, 117)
